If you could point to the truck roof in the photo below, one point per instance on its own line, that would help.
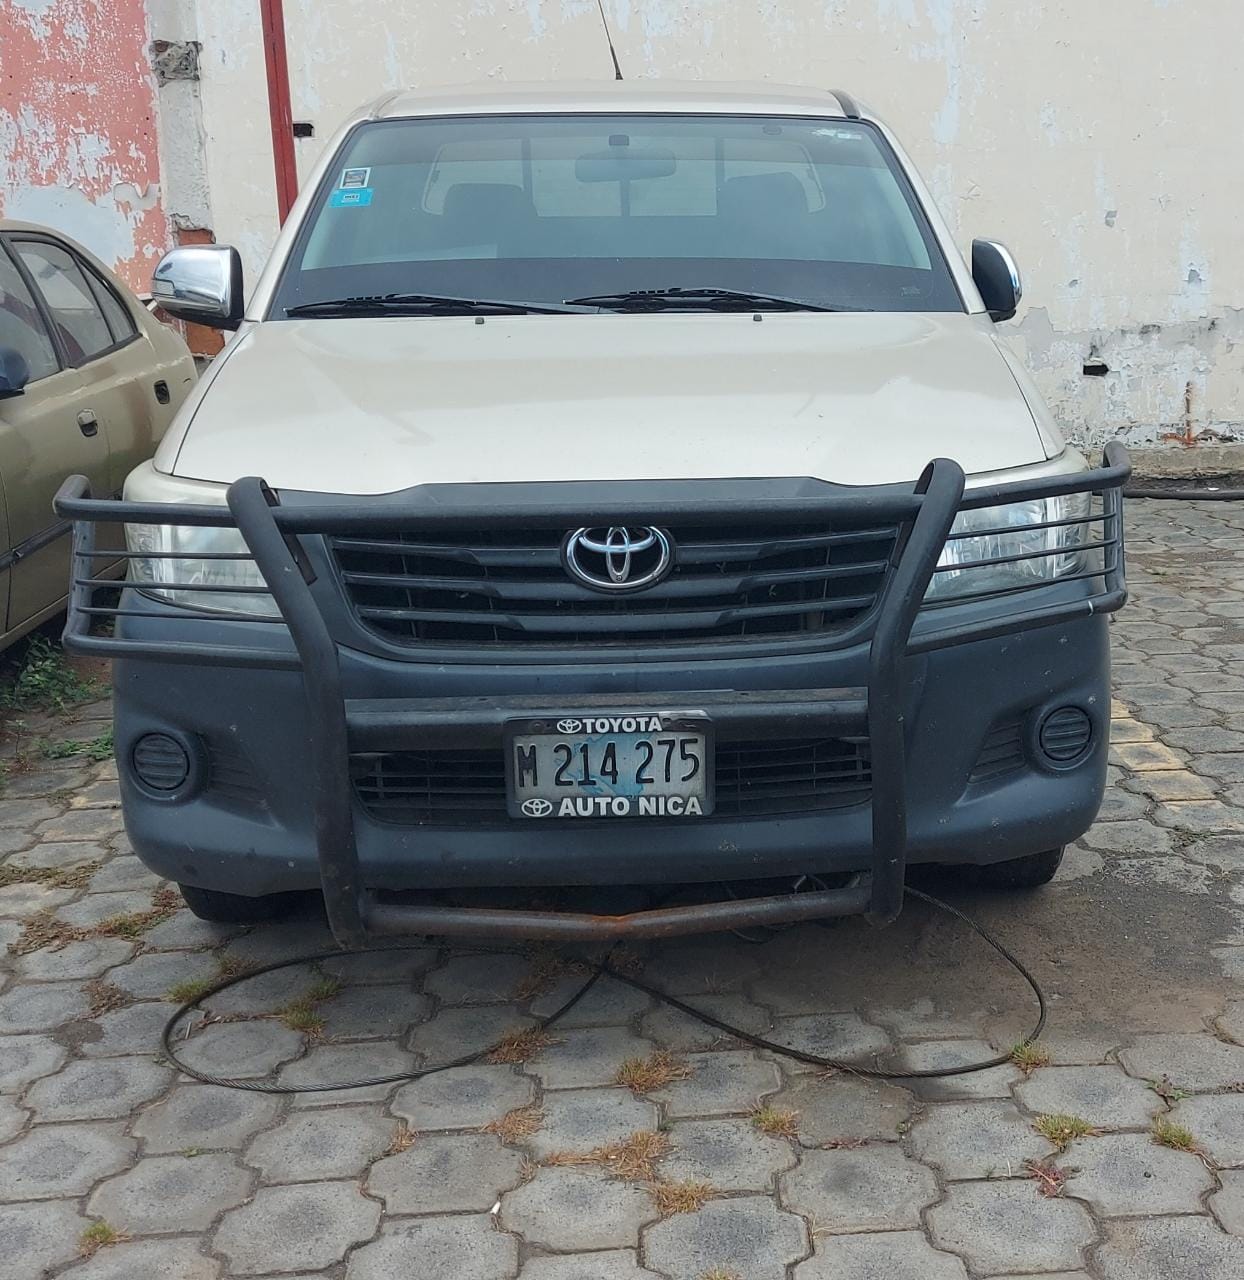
(711, 97)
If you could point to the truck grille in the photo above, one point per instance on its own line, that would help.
(509, 587)
(753, 779)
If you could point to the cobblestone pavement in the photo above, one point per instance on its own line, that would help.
(746, 1165)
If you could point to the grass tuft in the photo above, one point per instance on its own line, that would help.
(96, 1236)
(547, 966)
(1061, 1129)
(522, 1122)
(643, 1075)
(520, 1046)
(403, 1139)
(633, 1158)
(777, 1122)
(681, 1197)
(720, 1273)
(105, 997)
(191, 991)
(1166, 1133)
(53, 877)
(1050, 1178)
(1029, 1055)
(97, 749)
(133, 924)
(46, 681)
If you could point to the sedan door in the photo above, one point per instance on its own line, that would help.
(51, 430)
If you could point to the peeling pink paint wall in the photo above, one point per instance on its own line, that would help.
(78, 141)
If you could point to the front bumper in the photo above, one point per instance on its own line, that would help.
(276, 718)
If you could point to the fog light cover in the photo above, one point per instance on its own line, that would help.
(1065, 734)
(160, 762)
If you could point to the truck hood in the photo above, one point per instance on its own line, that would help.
(360, 406)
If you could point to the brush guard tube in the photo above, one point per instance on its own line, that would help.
(924, 516)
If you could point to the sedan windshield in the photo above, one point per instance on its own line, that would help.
(545, 209)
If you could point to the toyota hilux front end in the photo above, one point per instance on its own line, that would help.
(613, 484)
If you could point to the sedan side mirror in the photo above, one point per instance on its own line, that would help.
(201, 283)
(997, 278)
(14, 372)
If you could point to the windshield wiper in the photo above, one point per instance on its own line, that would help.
(422, 303)
(725, 299)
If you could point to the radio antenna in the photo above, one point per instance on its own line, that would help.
(613, 53)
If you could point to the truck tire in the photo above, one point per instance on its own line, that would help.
(227, 908)
(1029, 872)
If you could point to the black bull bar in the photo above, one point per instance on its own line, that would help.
(924, 515)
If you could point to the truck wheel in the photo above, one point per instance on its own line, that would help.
(1020, 873)
(226, 908)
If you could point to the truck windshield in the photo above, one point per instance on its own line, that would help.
(546, 208)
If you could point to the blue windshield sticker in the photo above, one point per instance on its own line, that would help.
(358, 198)
(352, 179)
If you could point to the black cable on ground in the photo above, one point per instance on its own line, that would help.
(1193, 494)
(600, 969)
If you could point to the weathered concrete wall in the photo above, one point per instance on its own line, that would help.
(79, 148)
(1100, 140)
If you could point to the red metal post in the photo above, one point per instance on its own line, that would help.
(272, 15)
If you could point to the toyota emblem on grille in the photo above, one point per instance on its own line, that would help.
(619, 557)
(537, 807)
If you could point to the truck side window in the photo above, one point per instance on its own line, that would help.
(21, 325)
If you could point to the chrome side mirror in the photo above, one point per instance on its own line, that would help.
(997, 278)
(201, 283)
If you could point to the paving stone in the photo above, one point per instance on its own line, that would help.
(843, 1036)
(478, 979)
(616, 1264)
(587, 1056)
(1172, 784)
(581, 1119)
(54, 1161)
(1123, 1174)
(1228, 766)
(203, 1117)
(41, 1006)
(1217, 1123)
(673, 1029)
(566, 1209)
(462, 1097)
(1193, 1061)
(1199, 816)
(873, 1188)
(310, 1226)
(97, 1089)
(384, 965)
(183, 930)
(1225, 852)
(80, 960)
(608, 1003)
(1228, 1204)
(373, 1012)
(82, 824)
(1123, 806)
(60, 855)
(23, 813)
(171, 1194)
(930, 1055)
(12, 1118)
(153, 975)
(454, 1033)
(94, 908)
(1105, 1096)
(264, 993)
(134, 1029)
(21, 899)
(845, 1107)
(702, 966)
(462, 1247)
(445, 1173)
(148, 1260)
(889, 1255)
(1137, 837)
(726, 1154)
(746, 1236)
(1007, 1226)
(281, 940)
(336, 1142)
(977, 1140)
(1231, 1022)
(1169, 1249)
(729, 1082)
(1171, 871)
(336, 1063)
(237, 1050)
(1140, 756)
(38, 1238)
(27, 1058)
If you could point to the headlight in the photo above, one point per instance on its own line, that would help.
(1018, 545)
(185, 555)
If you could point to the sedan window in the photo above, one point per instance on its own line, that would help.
(21, 325)
(78, 317)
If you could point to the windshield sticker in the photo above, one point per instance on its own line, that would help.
(352, 179)
(356, 199)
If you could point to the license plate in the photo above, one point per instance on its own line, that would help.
(624, 765)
